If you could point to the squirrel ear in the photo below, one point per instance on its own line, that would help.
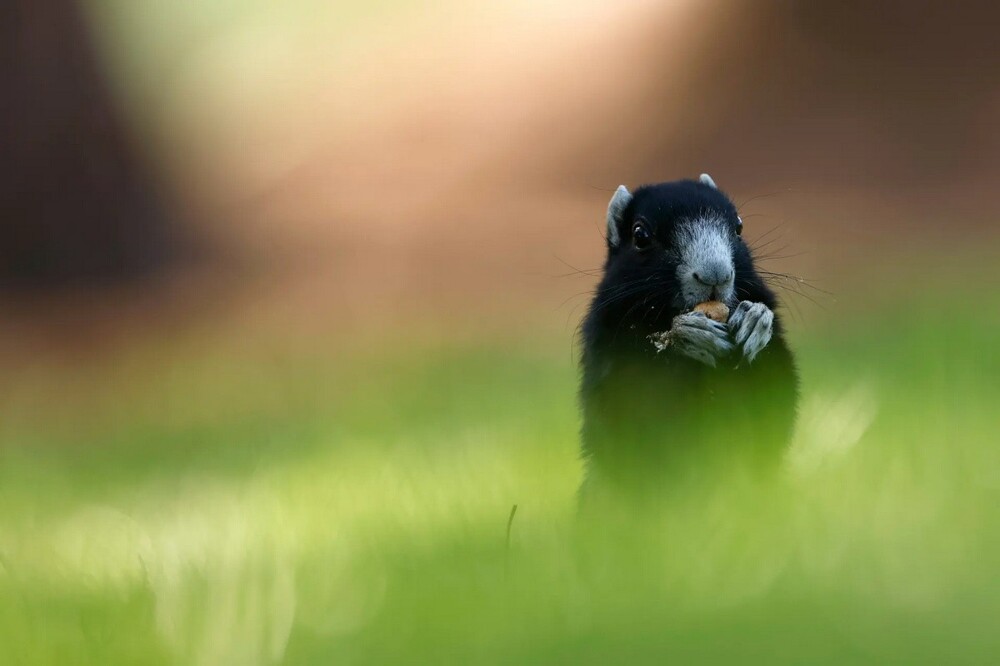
(705, 179)
(616, 212)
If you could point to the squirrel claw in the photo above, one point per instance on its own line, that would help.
(752, 325)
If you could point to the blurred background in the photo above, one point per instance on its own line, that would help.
(288, 295)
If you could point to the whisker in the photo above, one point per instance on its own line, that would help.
(590, 272)
(758, 247)
(625, 316)
(638, 289)
(759, 196)
(758, 241)
(796, 280)
(791, 289)
(776, 257)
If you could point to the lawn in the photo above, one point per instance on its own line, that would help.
(228, 503)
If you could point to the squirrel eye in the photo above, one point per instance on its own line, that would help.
(739, 225)
(641, 236)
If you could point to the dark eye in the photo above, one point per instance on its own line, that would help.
(739, 225)
(641, 236)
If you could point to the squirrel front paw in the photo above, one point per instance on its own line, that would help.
(752, 325)
(696, 336)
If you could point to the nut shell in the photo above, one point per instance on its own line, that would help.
(715, 310)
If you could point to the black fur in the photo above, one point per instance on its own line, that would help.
(652, 419)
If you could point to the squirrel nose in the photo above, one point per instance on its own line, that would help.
(713, 276)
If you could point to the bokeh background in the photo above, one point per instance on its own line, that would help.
(288, 307)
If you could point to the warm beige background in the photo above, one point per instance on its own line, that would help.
(344, 169)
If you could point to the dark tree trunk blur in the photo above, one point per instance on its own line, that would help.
(77, 204)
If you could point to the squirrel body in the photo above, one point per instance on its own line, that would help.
(660, 414)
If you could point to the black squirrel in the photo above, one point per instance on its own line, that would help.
(660, 408)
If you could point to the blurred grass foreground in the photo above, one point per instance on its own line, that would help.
(286, 331)
(306, 510)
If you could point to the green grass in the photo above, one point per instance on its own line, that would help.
(231, 506)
